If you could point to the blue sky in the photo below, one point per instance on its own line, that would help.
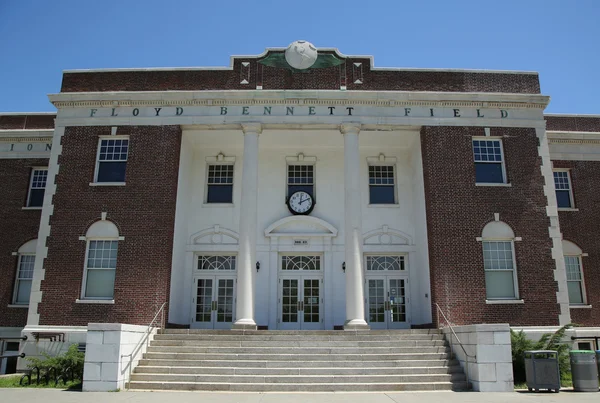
(559, 39)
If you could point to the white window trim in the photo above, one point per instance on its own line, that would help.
(516, 298)
(386, 272)
(100, 138)
(27, 207)
(382, 160)
(317, 273)
(571, 197)
(216, 161)
(85, 271)
(199, 271)
(15, 285)
(309, 161)
(584, 304)
(503, 162)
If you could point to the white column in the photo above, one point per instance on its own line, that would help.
(244, 307)
(355, 308)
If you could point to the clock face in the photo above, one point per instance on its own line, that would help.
(300, 203)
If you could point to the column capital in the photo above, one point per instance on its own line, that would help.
(252, 127)
(350, 128)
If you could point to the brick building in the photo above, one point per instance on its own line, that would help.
(338, 196)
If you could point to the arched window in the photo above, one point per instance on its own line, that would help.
(100, 261)
(575, 283)
(499, 261)
(24, 276)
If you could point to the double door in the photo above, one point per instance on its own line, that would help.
(214, 303)
(300, 302)
(387, 302)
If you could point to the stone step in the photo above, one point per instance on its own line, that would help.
(299, 387)
(256, 379)
(324, 363)
(296, 337)
(147, 369)
(297, 357)
(295, 350)
(299, 332)
(301, 343)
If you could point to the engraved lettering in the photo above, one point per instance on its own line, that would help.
(479, 115)
(456, 113)
(12, 147)
(178, 111)
(431, 112)
(223, 110)
(311, 110)
(29, 147)
(503, 113)
(267, 110)
(136, 111)
(93, 112)
(331, 109)
(349, 109)
(289, 110)
(113, 112)
(157, 110)
(245, 110)
(406, 111)
(48, 147)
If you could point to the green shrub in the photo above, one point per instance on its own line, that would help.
(549, 341)
(70, 362)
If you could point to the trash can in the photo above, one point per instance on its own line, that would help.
(584, 369)
(541, 370)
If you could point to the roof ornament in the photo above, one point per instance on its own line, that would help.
(300, 56)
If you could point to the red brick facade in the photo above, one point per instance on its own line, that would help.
(28, 122)
(271, 78)
(143, 210)
(17, 227)
(457, 211)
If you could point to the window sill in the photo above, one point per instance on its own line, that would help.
(506, 185)
(95, 301)
(26, 306)
(580, 306)
(31, 208)
(395, 205)
(107, 183)
(567, 209)
(218, 205)
(504, 301)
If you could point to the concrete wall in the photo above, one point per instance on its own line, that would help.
(107, 362)
(489, 357)
(35, 348)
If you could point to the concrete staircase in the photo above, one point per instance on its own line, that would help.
(292, 361)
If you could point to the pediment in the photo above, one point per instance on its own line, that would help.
(301, 226)
(215, 235)
(387, 236)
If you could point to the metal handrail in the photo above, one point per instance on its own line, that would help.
(24, 338)
(439, 310)
(161, 311)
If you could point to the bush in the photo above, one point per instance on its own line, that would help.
(549, 341)
(68, 364)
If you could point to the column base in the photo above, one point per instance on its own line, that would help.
(356, 324)
(244, 324)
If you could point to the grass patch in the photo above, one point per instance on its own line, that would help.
(13, 382)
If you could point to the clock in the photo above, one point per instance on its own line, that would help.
(300, 202)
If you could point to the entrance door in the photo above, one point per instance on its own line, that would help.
(386, 289)
(300, 303)
(387, 302)
(214, 302)
(300, 293)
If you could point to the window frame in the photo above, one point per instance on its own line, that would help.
(514, 269)
(97, 168)
(199, 271)
(16, 284)
(570, 182)
(31, 175)
(287, 178)
(85, 269)
(502, 162)
(582, 281)
(206, 184)
(390, 162)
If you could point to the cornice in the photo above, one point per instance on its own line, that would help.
(25, 139)
(328, 98)
(574, 141)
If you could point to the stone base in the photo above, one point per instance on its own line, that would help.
(244, 325)
(356, 324)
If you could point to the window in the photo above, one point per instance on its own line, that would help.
(499, 261)
(564, 194)
(376, 263)
(301, 263)
(381, 184)
(37, 187)
(220, 184)
(112, 160)
(489, 165)
(216, 262)
(24, 278)
(100, 261)
(301, 177)
(573, 267)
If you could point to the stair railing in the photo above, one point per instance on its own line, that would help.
(467, 355)
(145, 338)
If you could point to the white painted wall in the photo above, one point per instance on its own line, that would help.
(193, 215)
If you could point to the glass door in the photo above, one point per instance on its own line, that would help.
(214, 303)
(300, 303)
(387, 302)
